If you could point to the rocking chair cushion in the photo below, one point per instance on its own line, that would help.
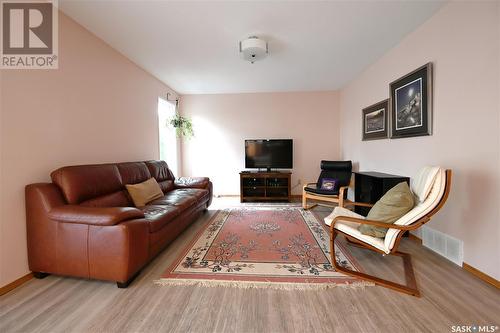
(437, 189)
(313, 188)
(386, 244)
(351, 228)
(423, 181)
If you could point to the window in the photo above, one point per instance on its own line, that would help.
(169, 146)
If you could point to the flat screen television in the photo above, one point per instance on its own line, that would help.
(269, 154)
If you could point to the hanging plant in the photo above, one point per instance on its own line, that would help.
(183, 126)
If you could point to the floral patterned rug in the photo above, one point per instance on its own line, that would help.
(272, 247)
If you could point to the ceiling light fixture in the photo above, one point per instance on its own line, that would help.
(253, 49)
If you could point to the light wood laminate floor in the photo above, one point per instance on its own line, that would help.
(450, 296)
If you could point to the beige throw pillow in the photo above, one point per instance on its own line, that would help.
(144, 192)
(395, 203)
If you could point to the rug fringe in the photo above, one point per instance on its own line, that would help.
(262, 284)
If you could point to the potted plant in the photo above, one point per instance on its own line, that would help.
(183, 126)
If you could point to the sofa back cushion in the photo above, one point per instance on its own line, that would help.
(166, 185)
(115, 199)
(160, 171)
(133, 172)
(84, 182)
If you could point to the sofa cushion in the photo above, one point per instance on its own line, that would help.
(159, 216)
(198, 193)
(159, 170)
(166, 185)
(144, 192)
(395, 203)
(176, 198)
(84, 182)
(133, 172)
(197, 182)
(94, 215)
(115, 199)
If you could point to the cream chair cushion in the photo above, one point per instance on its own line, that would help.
(422, 183)
(351, 228)
(421, 209)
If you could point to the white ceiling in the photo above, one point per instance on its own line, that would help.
(193, 46)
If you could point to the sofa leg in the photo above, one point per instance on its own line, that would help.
(40, 275)
(125, 284)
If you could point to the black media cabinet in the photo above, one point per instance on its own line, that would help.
(369, 187)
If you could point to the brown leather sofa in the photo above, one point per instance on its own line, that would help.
(84, 223)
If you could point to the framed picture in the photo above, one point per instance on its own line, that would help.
(411, 103)
(375, 124)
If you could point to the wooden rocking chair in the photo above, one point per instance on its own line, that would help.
(431, 188)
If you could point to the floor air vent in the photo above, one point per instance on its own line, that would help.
(445, 245)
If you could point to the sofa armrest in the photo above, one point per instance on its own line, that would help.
(192, 182)
(94, 215)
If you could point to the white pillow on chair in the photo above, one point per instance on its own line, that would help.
(421, 185)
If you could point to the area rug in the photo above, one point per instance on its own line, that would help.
(270, 247)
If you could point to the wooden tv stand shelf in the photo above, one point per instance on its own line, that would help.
(265, 186)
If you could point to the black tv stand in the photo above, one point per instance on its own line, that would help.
(265, 186)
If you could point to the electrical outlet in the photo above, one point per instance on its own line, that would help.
(299, 181)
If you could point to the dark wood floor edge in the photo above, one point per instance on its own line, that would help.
(14, 284)
(482, 276)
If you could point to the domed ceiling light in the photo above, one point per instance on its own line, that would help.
(253, 49)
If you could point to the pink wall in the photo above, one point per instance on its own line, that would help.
(222, 123)
(462, 40)
(97, 107)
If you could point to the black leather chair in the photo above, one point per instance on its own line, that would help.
(339, 170)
